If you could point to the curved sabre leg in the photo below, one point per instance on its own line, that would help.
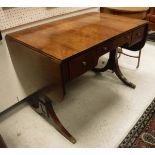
(43, 106)
(117, 70)
(98, 70)
(123, 78)
(113, 65)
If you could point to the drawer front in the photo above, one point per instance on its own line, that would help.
(113, 44)
(122, 40)
(137, 35)
(81, 64)
(103, 48)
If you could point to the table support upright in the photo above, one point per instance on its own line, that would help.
(43, 106)
(112, 64)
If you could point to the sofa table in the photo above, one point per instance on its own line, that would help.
(68, 48)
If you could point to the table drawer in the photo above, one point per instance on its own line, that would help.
(122, 40)
(137, 35)
(103, 48)
(82, 63)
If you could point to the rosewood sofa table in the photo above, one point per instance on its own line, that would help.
(70, 47)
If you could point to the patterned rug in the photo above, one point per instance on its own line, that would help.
(142, 135)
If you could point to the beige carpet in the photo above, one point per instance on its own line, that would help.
(98, 110)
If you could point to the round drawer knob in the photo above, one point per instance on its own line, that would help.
(84, 63)
(105, 48)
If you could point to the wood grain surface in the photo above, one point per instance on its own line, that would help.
(64, 38)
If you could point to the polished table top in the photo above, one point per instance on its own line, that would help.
(65, 38)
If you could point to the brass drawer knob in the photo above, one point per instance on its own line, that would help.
(105, 48)
(84, 63)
